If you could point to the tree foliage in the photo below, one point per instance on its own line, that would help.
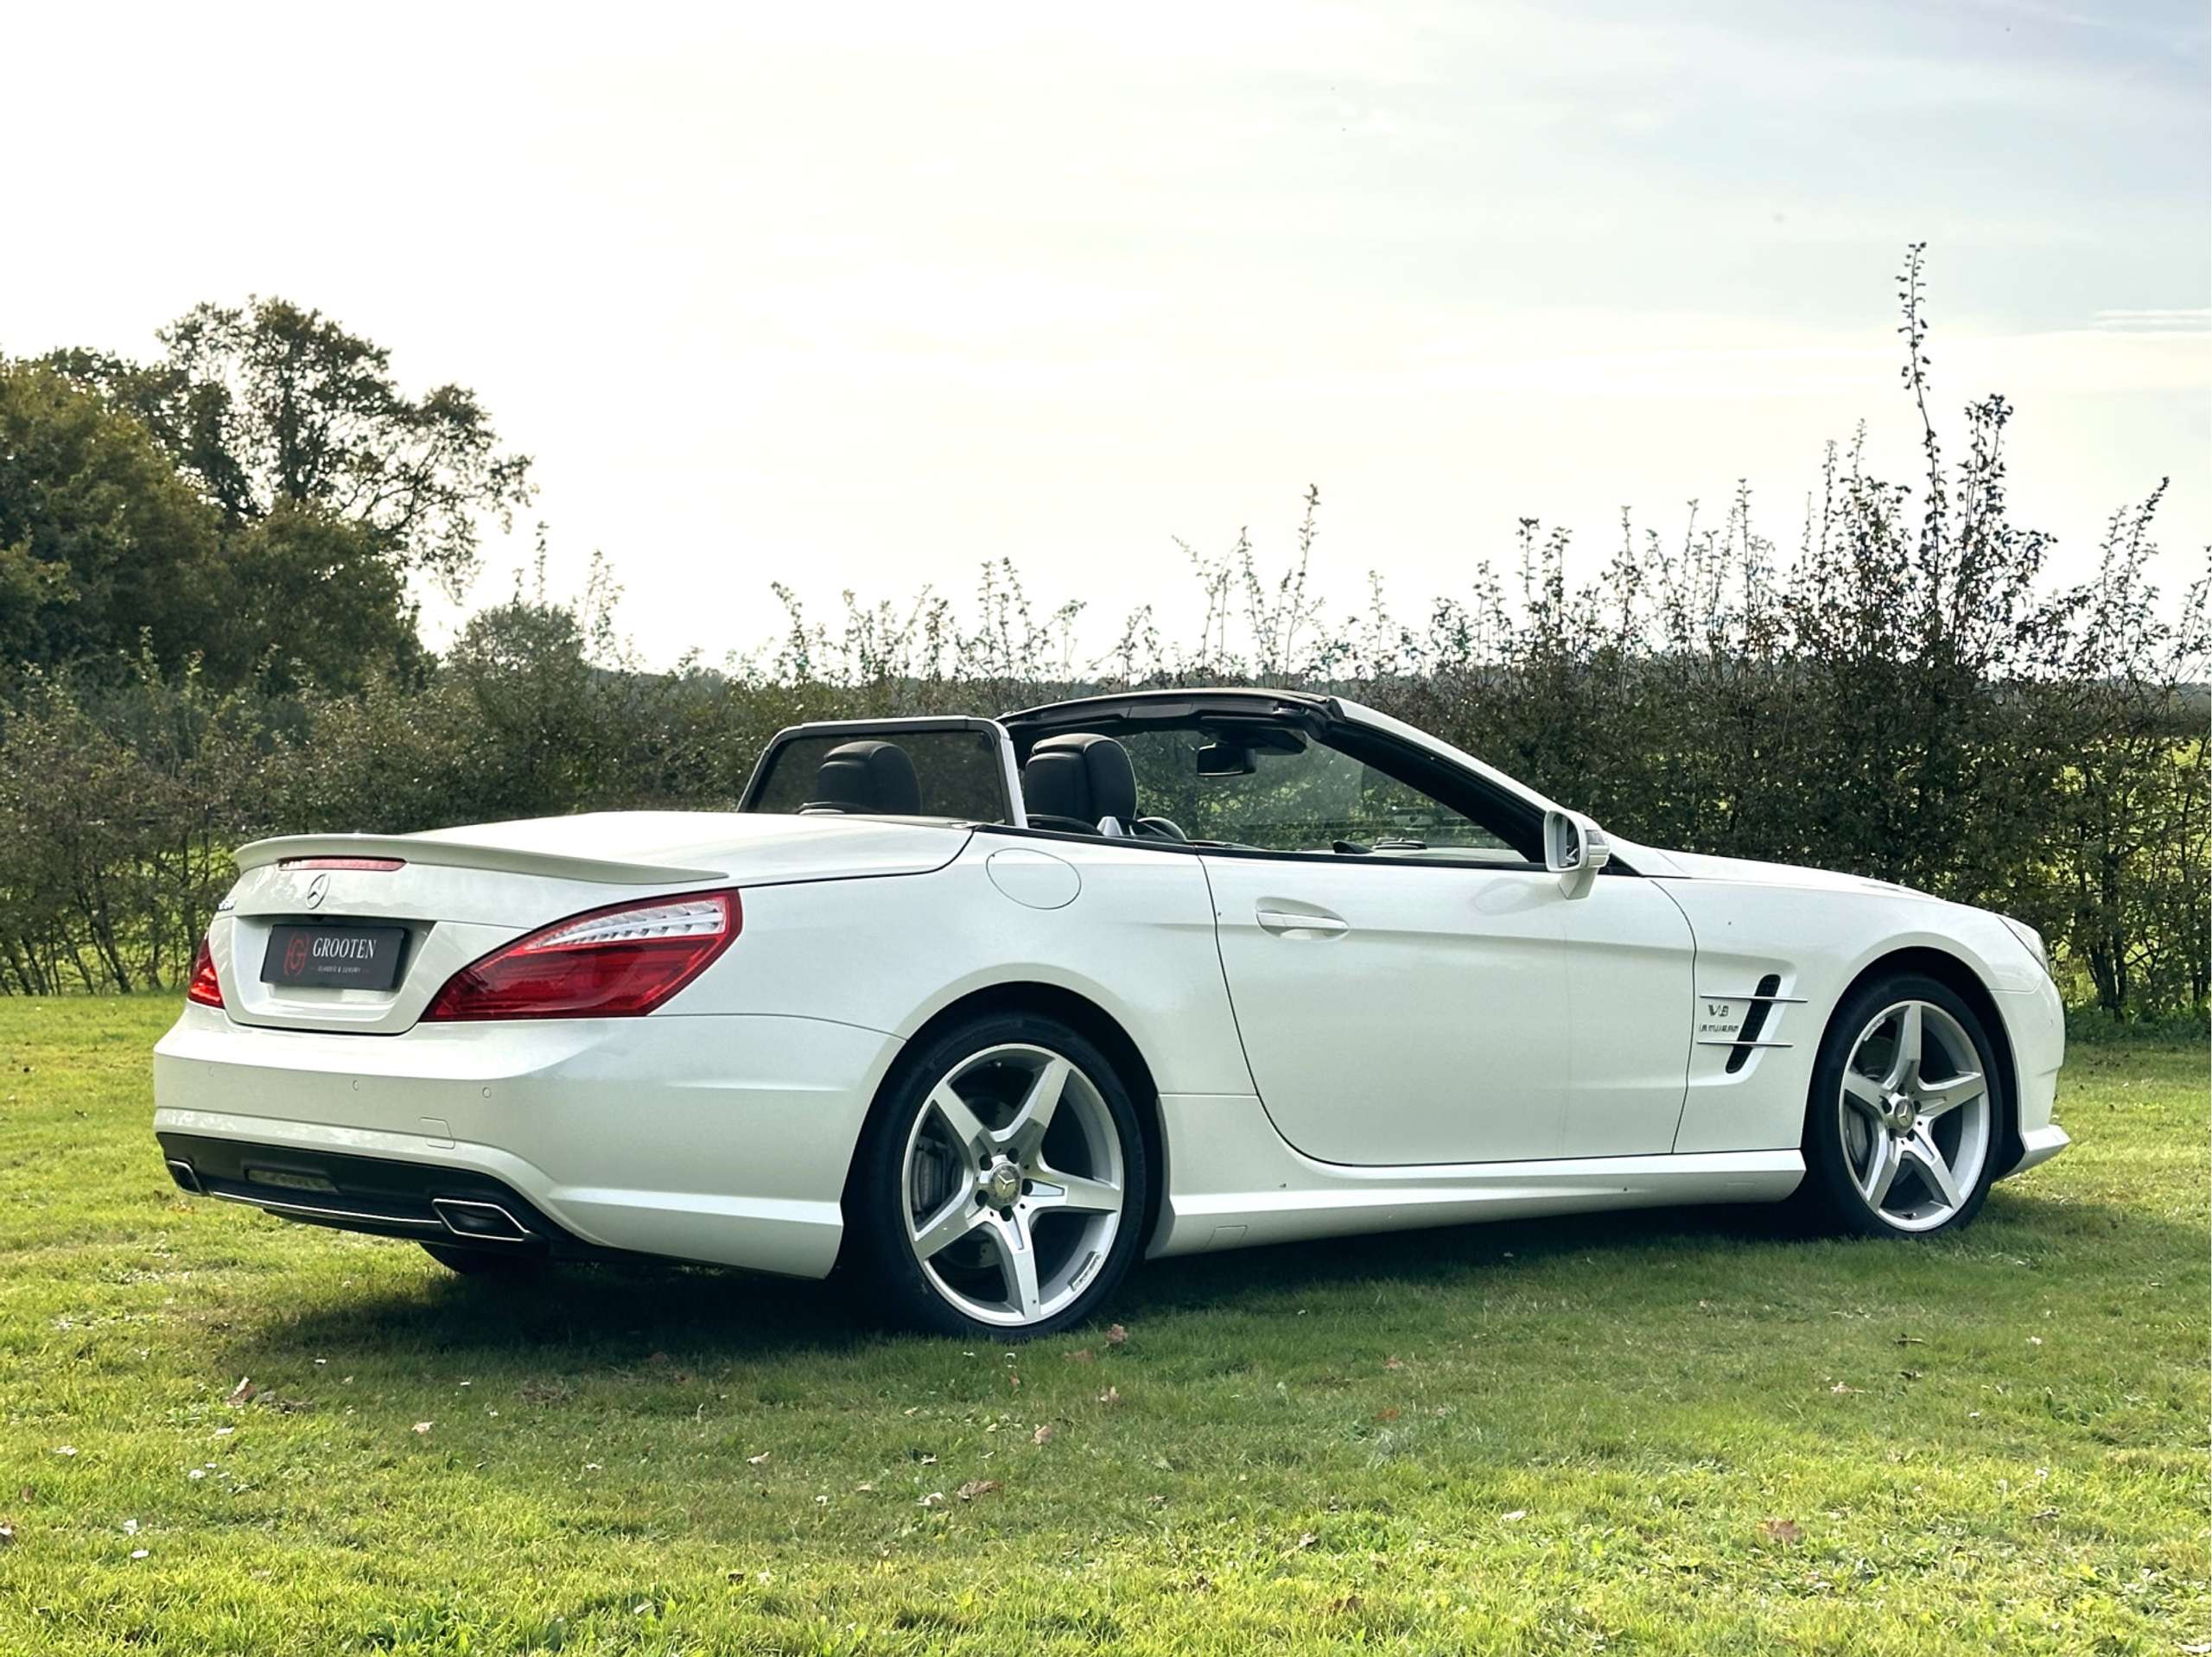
(202, 594)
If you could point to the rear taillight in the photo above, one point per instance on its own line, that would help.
(618, 963)
(359, 865)
(203, 987)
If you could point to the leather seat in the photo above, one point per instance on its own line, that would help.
(1075, 783)
(873, 777)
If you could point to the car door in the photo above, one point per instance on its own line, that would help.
(1397, 1013)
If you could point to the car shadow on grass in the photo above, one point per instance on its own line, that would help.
(582, 1318)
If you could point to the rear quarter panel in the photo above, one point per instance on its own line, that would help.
(1136, 938)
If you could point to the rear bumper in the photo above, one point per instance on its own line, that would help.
(719, 1139)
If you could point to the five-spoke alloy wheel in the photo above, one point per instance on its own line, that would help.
(1001, 1185)
(1902, 1129)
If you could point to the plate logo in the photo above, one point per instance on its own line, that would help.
(318, 889)
(295, 955)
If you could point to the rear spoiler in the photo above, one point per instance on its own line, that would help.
(460, 854)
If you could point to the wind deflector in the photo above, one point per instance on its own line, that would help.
(962, 770)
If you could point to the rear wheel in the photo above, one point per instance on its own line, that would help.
(1001, 1187)
(1902, 1128)
(488, 1262)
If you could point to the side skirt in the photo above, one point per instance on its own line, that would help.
(1232, 1182)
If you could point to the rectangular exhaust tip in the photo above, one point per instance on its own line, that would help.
(181, 1171)
(479, 1222)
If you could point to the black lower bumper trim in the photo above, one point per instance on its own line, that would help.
(423, 1201)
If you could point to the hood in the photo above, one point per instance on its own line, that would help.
(1744, 871)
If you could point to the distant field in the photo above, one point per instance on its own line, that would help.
(1678, 1432)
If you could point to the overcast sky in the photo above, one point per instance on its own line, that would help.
(863, 296)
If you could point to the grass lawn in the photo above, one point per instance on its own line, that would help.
(1659, 1432)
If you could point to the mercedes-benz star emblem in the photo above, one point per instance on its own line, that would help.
(318, 889)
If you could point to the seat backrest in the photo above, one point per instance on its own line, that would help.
(1081, 777)
(876, 777)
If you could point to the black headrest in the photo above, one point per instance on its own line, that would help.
(1082, 776)
(874, 776)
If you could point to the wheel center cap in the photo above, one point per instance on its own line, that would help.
(1001, 1185)
(1899, 1113)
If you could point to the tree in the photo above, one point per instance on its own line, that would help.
(101, 543)
(267, 405)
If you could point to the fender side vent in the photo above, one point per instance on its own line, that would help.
(1754, 1021)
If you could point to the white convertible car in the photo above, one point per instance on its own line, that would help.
(977, 1011)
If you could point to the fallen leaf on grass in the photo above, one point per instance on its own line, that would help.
(1111, 1396)
(1394, 1363)
(934, 1499)
(1015, 1382)
(242, 1394)
(1846, 1387)
(1386, 1415)
(976, 1487)
(755, 1461)
(424, 1427)
(1782, 1530)
(2045, 1515)
(1042, 1436)
(64, 1450)
(1305, 1540)
(864, 1487)
(1344, 1602)
(1518, 1513)
(1083, 1356)
(1117, 1336)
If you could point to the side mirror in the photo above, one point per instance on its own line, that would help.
(1574, 849)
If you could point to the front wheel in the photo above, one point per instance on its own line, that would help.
(1001, 1189)
(1902, 1128)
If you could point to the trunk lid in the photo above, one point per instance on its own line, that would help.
(459, 893)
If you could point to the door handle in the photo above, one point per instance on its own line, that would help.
(1284, 922)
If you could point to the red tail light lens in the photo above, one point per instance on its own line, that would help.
(619, 962)
(203, 989)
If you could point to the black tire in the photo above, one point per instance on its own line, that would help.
(488, 1262)
(1831, 1200)
(878, 1266)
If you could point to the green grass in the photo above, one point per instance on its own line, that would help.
(1661, 1432)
